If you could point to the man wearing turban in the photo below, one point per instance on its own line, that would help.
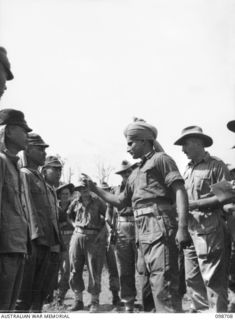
(153, 188)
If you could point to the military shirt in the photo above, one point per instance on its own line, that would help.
(90, 216)
(198, 179)
(55, 219)
(13, 219)
(200, 176)
(151, 181)
(39, 208)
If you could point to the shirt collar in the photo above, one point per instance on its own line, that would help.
(204, 159)
(146, 157)
(12, 156)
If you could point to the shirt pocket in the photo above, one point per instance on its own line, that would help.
(203, 187)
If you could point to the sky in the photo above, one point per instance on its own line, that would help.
(84, 68)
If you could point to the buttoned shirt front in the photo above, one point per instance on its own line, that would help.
(200, 176)
(151, 181)
(41, 227)
(13, 219)
(198, 179)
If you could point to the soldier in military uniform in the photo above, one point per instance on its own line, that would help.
(87, 245)
(40, 225)
(151, 189)
(114, 285)
(125, 247)
(64, 194)
(52, 172)
(205, 259)
(13, 217)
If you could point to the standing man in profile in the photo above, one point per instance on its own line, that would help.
(13, 220)
(205, 259)
(52, 173)
(151, 190)
(40, 225)
(5, 71)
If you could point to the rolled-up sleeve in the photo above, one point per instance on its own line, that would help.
(169, 170)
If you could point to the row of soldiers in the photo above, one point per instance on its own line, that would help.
(171, 218)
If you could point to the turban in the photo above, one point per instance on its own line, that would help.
(141, 130)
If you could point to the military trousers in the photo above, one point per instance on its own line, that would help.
(206, 270)
(232, 268)
(35, 269)
(146, 292)
(114, 285)
(85, 249)
(64, 270)
(11, 275)
(51, 280)
(156, 230)
(125, 250)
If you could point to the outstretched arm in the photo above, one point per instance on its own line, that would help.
(106, 196)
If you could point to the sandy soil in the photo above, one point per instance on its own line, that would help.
(105, 298)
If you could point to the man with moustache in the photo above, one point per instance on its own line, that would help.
(151, 189)
(40, 225)
(13, 218)
(205, 259)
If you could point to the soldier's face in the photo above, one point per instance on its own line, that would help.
(65, 195)
(135, 148)
(125, 174)
(190, 148)
(37, 154)
(3, 80)
(17, 136)
(52, 175)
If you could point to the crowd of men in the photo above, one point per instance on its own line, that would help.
(177, 232)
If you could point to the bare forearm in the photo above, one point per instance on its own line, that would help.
(210, 202)
(182, 207)
(107, 196)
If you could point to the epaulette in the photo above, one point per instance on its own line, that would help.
(216, 158)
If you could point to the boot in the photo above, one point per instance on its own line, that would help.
(116, 299)
(94, 308)
(94, 303)
(129, 307)
(77, 305)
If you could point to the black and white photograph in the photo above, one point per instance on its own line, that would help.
(117, 158)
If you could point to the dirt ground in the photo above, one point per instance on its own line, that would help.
(105, 298)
